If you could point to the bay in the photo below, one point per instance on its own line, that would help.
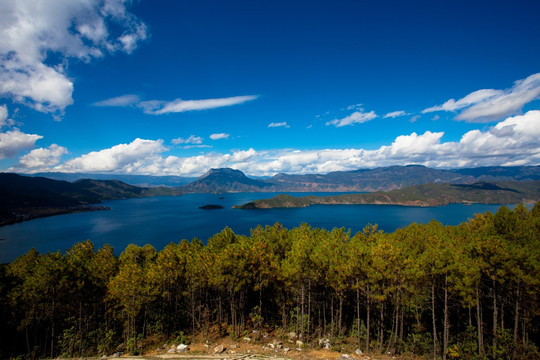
(161, 220)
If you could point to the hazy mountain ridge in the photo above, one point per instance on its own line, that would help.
(363, 180)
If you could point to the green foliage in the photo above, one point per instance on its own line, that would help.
(417, 290)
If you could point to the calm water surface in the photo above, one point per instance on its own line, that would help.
(161, 220)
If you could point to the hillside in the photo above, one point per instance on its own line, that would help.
(511, 192)
(225, 180)
(24, 198)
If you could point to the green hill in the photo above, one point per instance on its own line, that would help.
(510, 192)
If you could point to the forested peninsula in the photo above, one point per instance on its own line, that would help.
(469, 291)
(25, 198)
(508, 192)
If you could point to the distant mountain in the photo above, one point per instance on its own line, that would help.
(379, 179)
(510, 192)
(502, 173)
(137, 180)
(363, 180)
(24, 197)
(225, 180)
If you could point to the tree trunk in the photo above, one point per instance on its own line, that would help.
(480, 328)
(433, 319)
(358, 311)
(516, 321)
(495, 319)
(368, 319)
(445, 331)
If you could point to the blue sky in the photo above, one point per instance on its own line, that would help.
(179, 87)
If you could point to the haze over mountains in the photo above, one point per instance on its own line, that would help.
(25, 197)
(379, 179)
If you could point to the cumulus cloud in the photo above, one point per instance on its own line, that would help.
(42, 158)
(119, 101)
(158, 107)
(513, 141)
(395, 114)
(125, 158)
(278, 124)
(192, 139)
(490, 105)
(356, 117)
(31, 31)
(219, 136)
(14, 141)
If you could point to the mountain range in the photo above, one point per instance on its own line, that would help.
(364, 180)
(26, 197)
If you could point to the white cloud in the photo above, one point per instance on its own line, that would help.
(395, 114)
(278, 124)
(3, 116)
(158, 107)
(414, 118)
(42, 159)
(514, 141)
(120, 101)
(126, 158)
(354, 107)
(14, 141)
(30, 31)
(489, 104)
(357, 117)
(219, 136)
(192, 139)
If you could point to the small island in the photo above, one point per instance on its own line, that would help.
(211, 207)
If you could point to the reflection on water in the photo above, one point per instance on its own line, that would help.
(161, 220)
(104, 225)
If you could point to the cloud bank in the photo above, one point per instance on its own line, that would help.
(513, 141)
(37, 37)
(490, 105)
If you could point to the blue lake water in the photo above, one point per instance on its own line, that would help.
(161, 220)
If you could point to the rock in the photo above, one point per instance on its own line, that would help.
(233, 346)
(299, 343)
(173, 346)
(298, 349)
(171, 351)
(117, 354)
(271, 346)
(219, 349)
(232, 352)
(279, 346)
(104, 357)
(325, 343)
(182, 348)
(359, 352)
(344, 357)
(247, 339)
(286, 349)
(291, 335)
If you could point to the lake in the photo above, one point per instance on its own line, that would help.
(161, 220)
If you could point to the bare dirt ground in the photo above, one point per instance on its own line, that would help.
(270, 349)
